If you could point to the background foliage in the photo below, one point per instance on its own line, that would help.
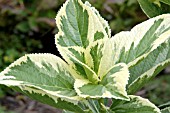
(29, 27)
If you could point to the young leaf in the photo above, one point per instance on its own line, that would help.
(75, 56)
(43, 74)
(136, 105)
(101, 19)
(93, 55)
(113, 84)
(152, 9)
(78, 24)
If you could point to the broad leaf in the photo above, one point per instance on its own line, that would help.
(151, 65)
(135, 105)
(144, 49)
(152, 9)
(42, 74)
(112, 85)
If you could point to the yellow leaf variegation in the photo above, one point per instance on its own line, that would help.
(95, 66)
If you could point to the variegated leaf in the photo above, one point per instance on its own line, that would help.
(79, 25)
(101, 19)
(44, 74)
(113, 84)
(149, 66)
(93, 55)
(76, 58)
(135, 47)
(136, 105)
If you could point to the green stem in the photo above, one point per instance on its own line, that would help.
(92, 106)
(102, 108)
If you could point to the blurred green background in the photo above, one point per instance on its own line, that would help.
(28, 26)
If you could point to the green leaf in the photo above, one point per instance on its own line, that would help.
(23, 26)
(165, 105)
(166, 110)
(64, 111)
(44, 74)
(135, 105)
(165, 1)
(58, 103)
(112, 85)
(152, 9)
(93, 105)
(144, 49)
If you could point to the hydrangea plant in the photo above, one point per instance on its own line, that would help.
(97, 73)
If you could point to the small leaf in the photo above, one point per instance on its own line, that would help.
(135, 105)
(23, 26)
(75, 56)
(93, 55)
(112, 85)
